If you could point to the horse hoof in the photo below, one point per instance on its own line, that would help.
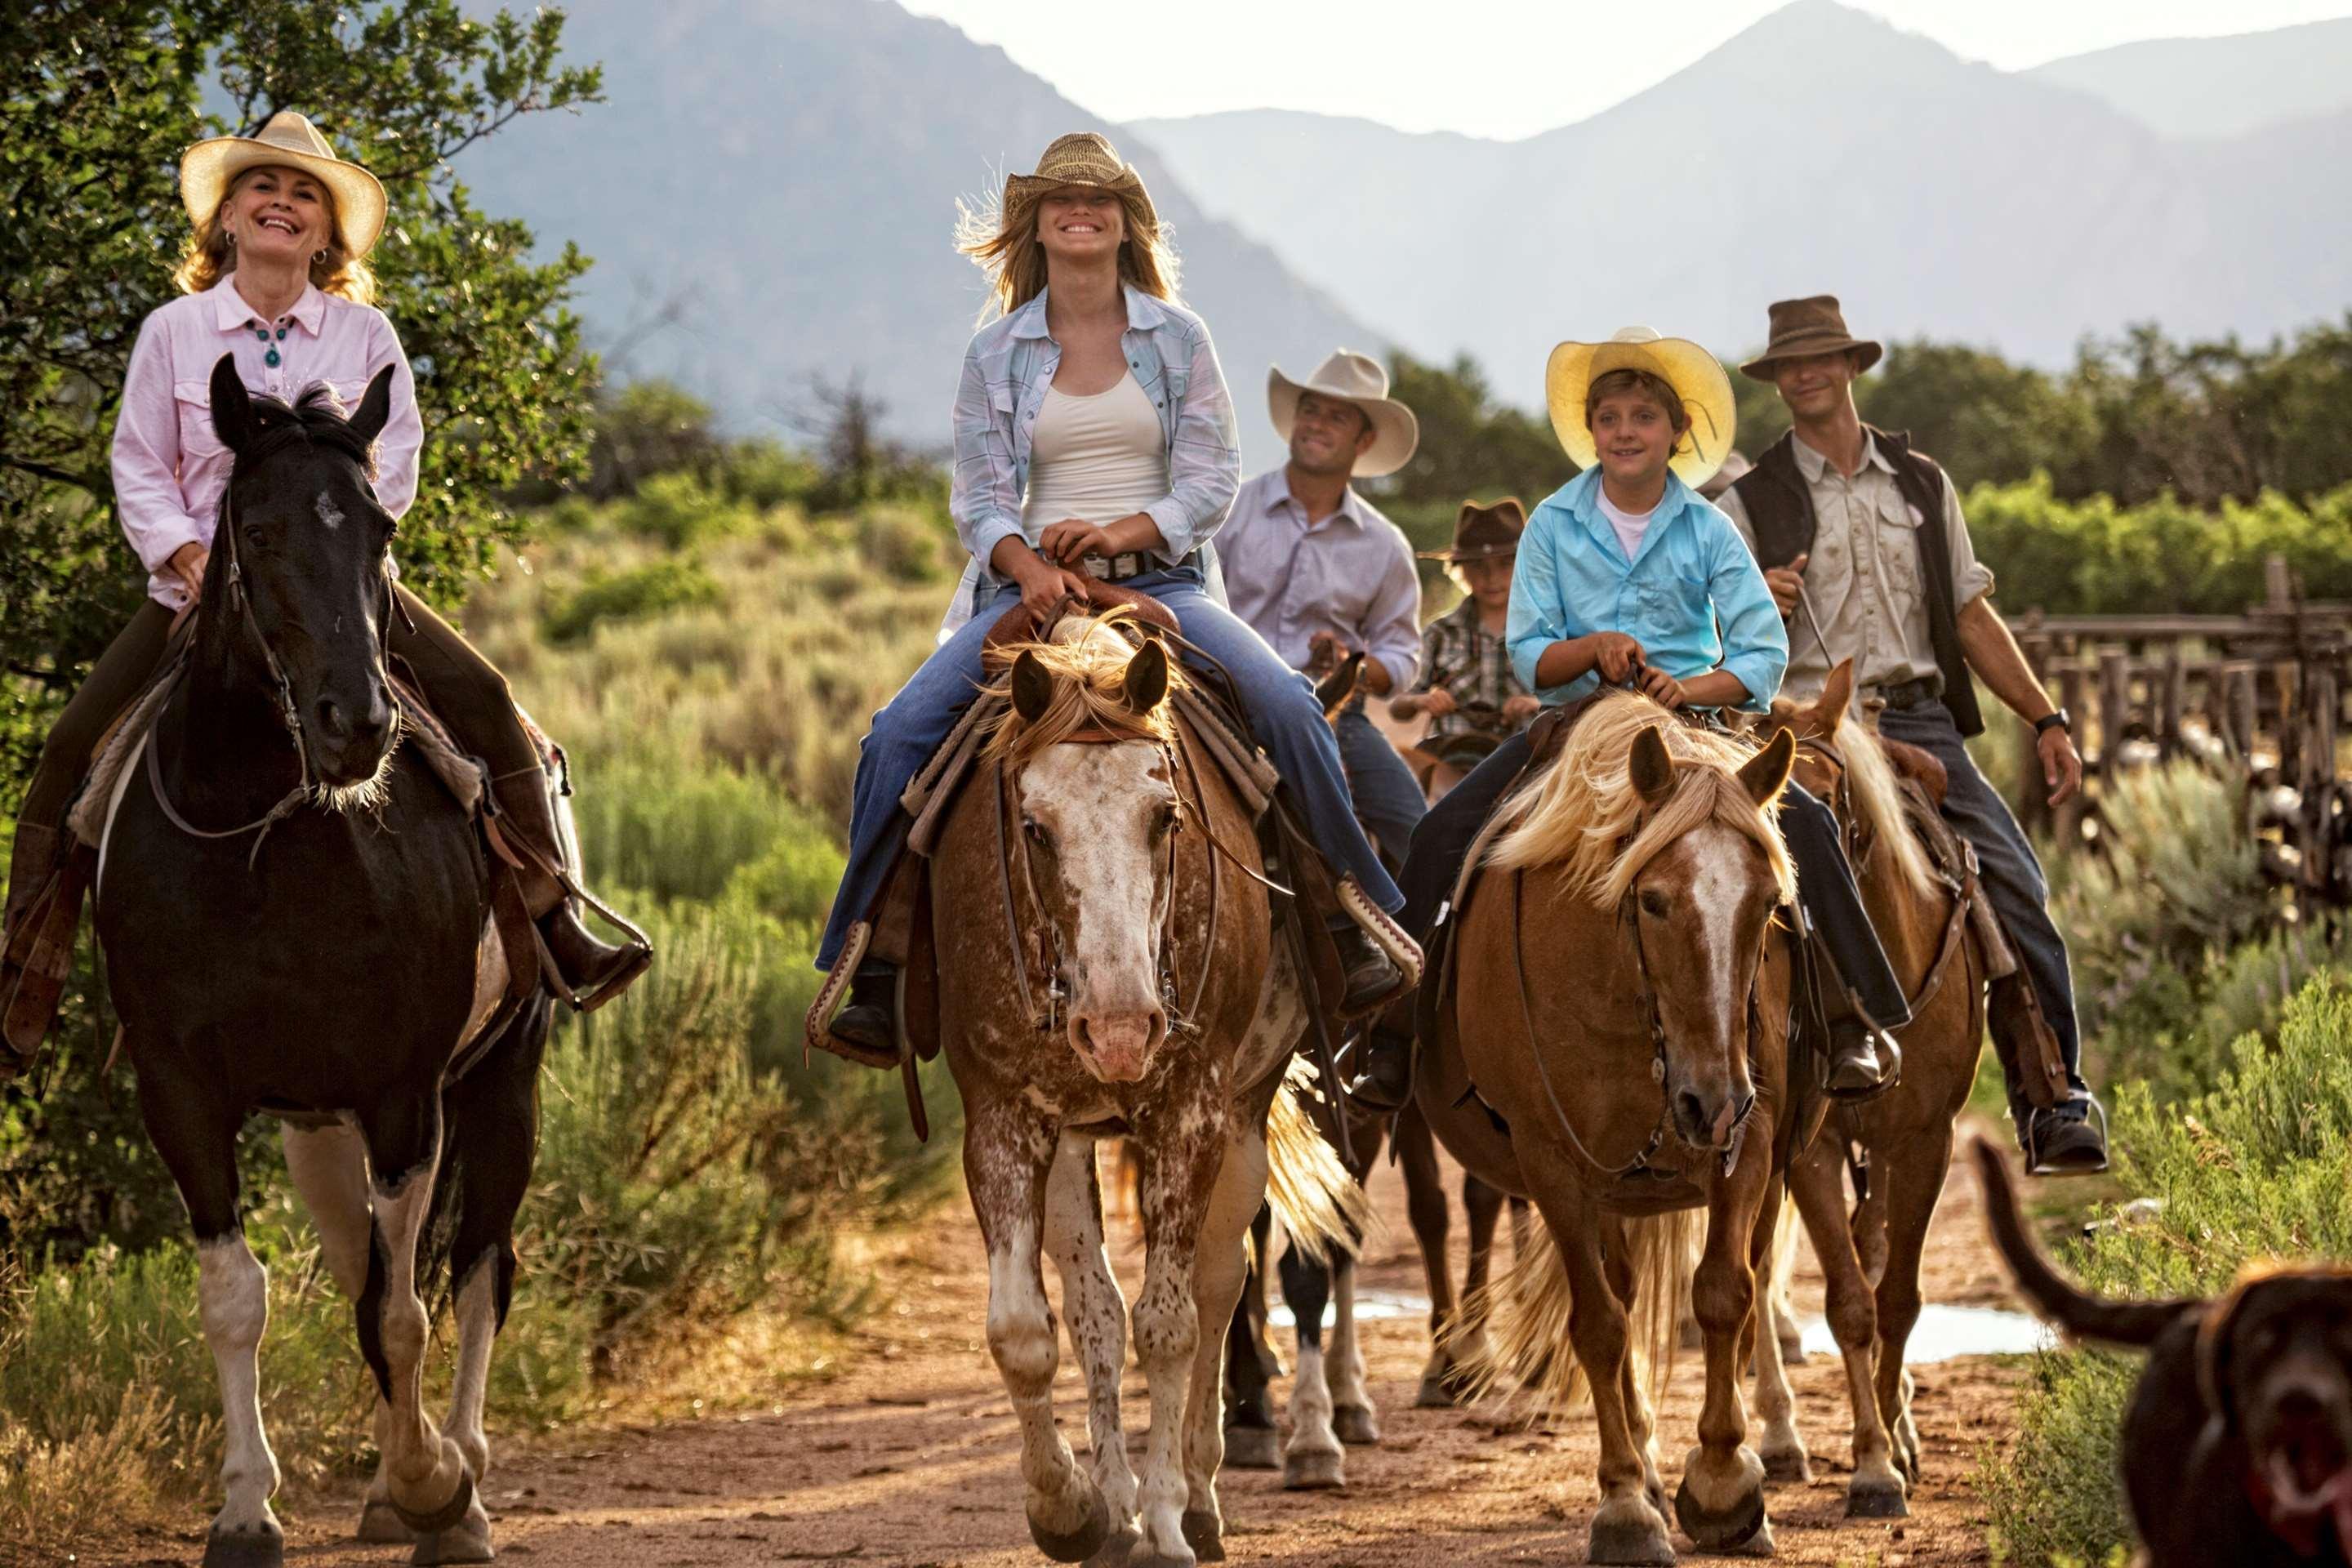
(1637, 1536)
(1875, 1500)
(434, 1521)
(1726, 1531)
(1759, 1544)
(1792, 1464)
(1115, 1551)
(1792, 1350)
(468, 1540)
(1252, 1448)
(380, 1524)
(1078, 1544)
(1356, 1426)
(1314, 1472)
(1436, 1393)
(1205, 1534)
(261, 1545)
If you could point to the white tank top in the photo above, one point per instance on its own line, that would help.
(1096, 458)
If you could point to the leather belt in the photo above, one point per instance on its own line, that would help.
(1133, 564)
(1912, 693)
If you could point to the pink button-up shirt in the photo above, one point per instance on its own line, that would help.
(170, 468)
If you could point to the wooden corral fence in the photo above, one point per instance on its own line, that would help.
(2262, 692)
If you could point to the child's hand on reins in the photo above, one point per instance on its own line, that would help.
(1615, 655)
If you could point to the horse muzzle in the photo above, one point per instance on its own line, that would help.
(1118, 1048)
(350, 735)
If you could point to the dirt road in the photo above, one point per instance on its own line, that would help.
(910, 1457)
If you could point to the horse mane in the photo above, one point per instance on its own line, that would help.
(1087, 656)
(1878, 796)
(1584, 813)
(316, 415)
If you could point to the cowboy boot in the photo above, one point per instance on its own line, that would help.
(870, 1022)
(1386, 1083)
(1370, 975)
(1863, 1059)
(2061, 1140)
(593, 970)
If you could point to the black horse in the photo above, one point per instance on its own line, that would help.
(295, 911)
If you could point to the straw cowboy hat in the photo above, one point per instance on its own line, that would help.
(291, 141)
(1808, 326)
(1695, 375)
(1082, 158)
(1482, 533)
(1355, 378)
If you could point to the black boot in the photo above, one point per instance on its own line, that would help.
(595, 970)
(870, 1021)
(1370, 975)
(1386, 1083)
(1862, 1060)
(2062, 1139)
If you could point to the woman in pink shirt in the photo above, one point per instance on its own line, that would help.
(276, 276)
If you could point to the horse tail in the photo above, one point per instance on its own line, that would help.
(1784, 1257)
(1321, 1206)
(1526, 1307)
(490, 1134)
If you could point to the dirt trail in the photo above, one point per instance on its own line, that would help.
(910, 1457)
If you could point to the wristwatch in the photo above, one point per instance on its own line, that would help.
(2057, 720)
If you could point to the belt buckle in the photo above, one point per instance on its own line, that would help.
(1099, 566)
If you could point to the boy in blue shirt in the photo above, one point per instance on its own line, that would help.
(1626, 576)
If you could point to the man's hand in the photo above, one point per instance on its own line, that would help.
(1786, 583)
(1070, 542)
(2061, 764)
(1436, 702)
(1663, 689)
(1520, 708)
(1326, 651)
(1616, 655)
(188, 564)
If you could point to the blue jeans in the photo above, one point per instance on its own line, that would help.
(2006, 864)
(1388, 798)
(1279, 700)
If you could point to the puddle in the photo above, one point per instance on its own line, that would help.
(1370, 1304)
(1944, 1332)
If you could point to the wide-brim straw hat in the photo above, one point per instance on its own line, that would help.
(1484, 533)
(1082, 158)
(289, 140)
(1355, 378)
(1813, 325)
(1695, 375)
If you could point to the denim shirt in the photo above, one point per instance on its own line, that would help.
(1006, 373)
(1692, 595)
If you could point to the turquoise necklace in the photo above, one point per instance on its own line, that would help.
(264, 334)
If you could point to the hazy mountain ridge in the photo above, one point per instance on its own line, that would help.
(2204, 87)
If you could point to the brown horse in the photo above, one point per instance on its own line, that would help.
(1620, 1004)
(1107, 963)
(1871, 1262)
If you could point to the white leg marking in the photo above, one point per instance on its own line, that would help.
(1220, 1272)
(1348, 1392)
(1310, 1406)
(1097, 1315)
(233, 1295)
(478, 1327)
(1167, 1334)
(329, 1168)
(1020, 1338)
(427, 1468)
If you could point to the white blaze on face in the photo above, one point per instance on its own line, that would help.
(1103, 812)
(331, 515)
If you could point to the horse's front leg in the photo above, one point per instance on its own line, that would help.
(1007, 1151)
(1721, 1500)
(1183, 1139)
(1096, 1321)
(1219, 1276)
(1784, 1448)
(430, 1489)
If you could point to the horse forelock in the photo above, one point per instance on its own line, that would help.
(1586, 816)
(1087, 659)
(1877, 793)
(316, 415)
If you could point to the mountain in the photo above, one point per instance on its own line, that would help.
(782, 176)
(2219, 87)
(1820, 150)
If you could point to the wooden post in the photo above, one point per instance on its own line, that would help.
(2115, 708)
(2066, 823)
(2237, 706)
(2315, 780)
(2175, 700)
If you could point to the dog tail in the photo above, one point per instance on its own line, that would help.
(2053, 1297)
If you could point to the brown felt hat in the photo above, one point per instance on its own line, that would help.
(1482, 533)
(1809, 326)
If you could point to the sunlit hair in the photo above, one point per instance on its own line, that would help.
(1656, 388)
(1087, 657)
(211, 257)
(1585, 815)
(1877, 793)
(1003, 242)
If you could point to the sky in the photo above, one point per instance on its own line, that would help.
(1502, 68)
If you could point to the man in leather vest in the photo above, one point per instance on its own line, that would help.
(1865, 549)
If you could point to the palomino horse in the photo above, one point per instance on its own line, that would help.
(294, 914)
(1871, 1264)
(1107, 963)
(1624, 1062)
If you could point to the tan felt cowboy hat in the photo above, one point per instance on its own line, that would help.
(1484, 533)
(1082, 158)
(1809, 326)
(1352, 378)
(291, 141)
(1695, 375)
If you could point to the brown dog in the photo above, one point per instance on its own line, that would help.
(2237, 1445)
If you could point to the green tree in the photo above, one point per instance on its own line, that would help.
(1979, 415)
(102, 95)
(1471, 446)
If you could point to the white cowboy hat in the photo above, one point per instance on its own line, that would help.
(291, 141)
(1352, 378)
(1695, 375)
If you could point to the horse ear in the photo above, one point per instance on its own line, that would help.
(1651, 767)
(233, 419)
(1147, 677)
(1766, 774)
(1836, 700)
(375, 406)
(1335, 688)
(1033, 688)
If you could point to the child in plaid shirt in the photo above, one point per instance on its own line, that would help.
(1473, 699)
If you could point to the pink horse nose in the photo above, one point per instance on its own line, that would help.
(1117, 1050)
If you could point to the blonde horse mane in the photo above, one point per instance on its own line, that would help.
(1088, 656)
(1877, 795)
(1584, 813)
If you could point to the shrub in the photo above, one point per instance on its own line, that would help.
(680, 509)
(626, 595)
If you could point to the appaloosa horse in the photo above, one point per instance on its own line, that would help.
(1107, 962)
(1613, 1045)
(1870, 1263)
(295, 915)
